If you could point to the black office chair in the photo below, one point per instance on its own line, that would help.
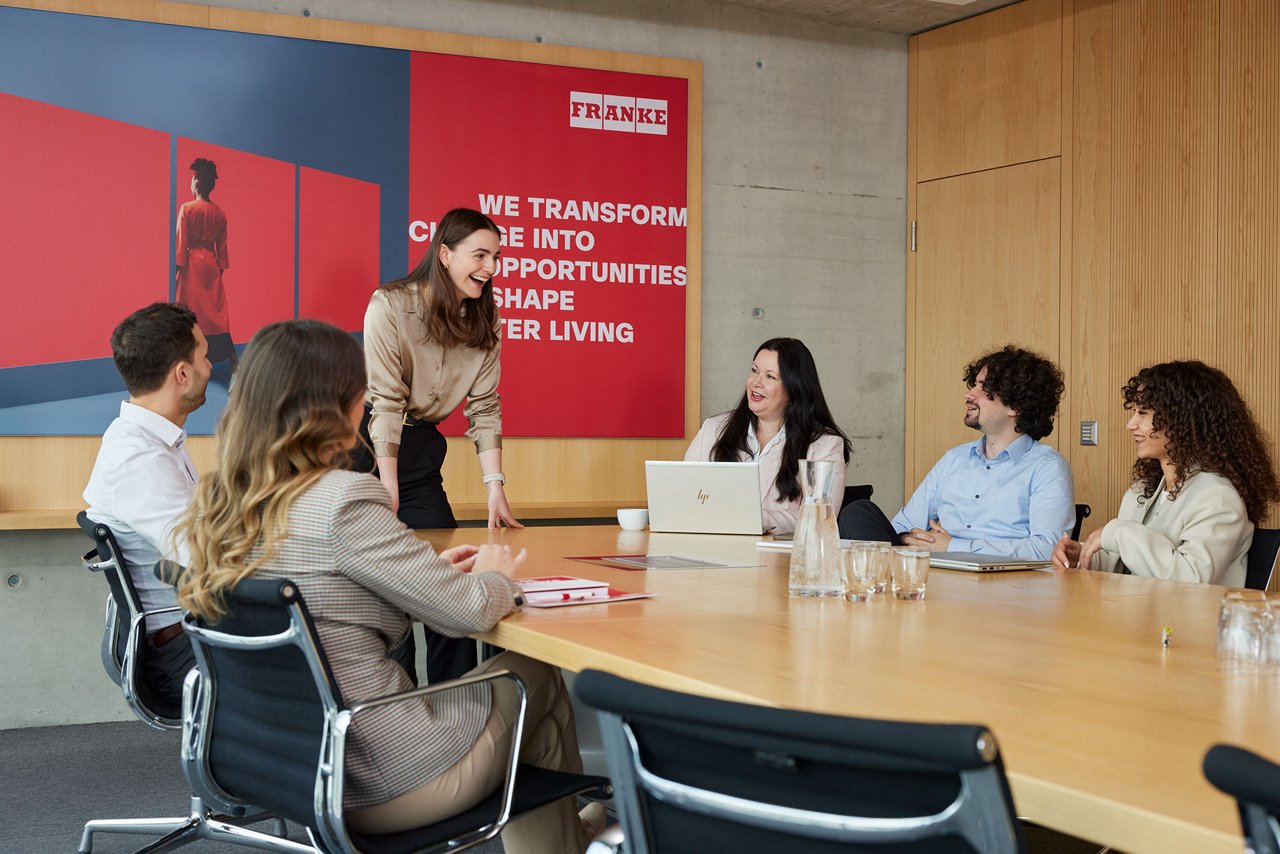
(267, 725)
(1255, 784)
(695, 775)
(122, 640)
(857, 492)
(1261, 562)
(1083, 511)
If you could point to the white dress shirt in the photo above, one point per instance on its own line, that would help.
(142, 481)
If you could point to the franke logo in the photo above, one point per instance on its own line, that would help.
(614, 112)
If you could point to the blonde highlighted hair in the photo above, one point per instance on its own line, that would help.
(286, 424)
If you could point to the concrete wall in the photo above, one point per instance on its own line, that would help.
(804, 181)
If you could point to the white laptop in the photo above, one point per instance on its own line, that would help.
(974, 562)
(703, 498)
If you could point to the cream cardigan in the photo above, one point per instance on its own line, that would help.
(1203, 535)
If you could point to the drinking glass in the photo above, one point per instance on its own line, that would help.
(1244, 626)
(861, 567)
(884, 566)
(910, 572)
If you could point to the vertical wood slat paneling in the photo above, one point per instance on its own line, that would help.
(1247, 334)
(1087, 353)
(986, 275)
(1165, 302)
(989, 90)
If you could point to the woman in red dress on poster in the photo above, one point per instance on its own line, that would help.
(202, 256)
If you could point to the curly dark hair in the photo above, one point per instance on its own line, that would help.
(206, 175)
(1208, 427)
(1025, 381)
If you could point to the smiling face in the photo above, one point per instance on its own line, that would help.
(986, 412)
(1149, 444)
(471, 263)
(766, 396)
(197, 373)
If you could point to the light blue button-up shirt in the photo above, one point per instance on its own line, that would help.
(1018, 504)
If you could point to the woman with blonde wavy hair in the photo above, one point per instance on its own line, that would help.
(282, 505)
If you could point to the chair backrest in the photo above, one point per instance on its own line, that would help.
(124, 631)
(265, 703)
(1083, 511)
(1255, 784)
(1261, 563)
(695, 774)
(857, 492)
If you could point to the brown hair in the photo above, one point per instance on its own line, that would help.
(286, 424)
(476, 324)
(1208, 427)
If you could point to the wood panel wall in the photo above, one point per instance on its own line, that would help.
(43, 476)
(1169, 133)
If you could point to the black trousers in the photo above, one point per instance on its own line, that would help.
(423, 504)
(864, 520)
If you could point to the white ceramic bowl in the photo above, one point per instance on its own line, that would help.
(633, 519)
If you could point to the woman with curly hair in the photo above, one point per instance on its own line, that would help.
(1202, 480)
(781, 418)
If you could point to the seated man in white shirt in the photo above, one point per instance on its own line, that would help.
(143, 478)
(1005, 494)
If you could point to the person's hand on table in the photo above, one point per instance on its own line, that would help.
(936, 539)
(1066, 553)
(492, 557)
(499, 510)
(1091, 547)
(462, 557)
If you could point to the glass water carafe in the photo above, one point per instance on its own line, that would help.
(815, 554)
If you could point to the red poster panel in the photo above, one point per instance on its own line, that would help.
(257, 195)
(89, 209)
(586, 172)
(338, 247)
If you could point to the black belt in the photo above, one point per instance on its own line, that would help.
(409, 421)
(168, 633)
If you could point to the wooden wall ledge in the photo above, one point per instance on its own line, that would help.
(52, 520)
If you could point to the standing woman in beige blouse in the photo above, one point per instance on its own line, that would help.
(432, 339)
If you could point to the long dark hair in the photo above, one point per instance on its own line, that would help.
(807, 419)
(1208, 427)
(476, 325)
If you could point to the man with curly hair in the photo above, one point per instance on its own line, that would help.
(1005, 494)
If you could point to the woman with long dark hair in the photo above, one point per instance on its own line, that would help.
(431, 340)
(781, 419)
(1202, 480)
(282, 504)
(201, 259)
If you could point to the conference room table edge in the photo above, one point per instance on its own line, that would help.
(1124, 827)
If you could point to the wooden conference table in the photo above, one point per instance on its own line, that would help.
(1103, 730)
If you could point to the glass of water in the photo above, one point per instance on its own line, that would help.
(884, 566)
(861, 567)
(910, 572)
(1244, 629)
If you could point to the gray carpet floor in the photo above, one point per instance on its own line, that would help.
(54, 779)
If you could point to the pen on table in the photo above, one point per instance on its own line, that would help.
(571, 596)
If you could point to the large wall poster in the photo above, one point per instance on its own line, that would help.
(333, 163)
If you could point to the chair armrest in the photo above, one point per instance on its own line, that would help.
(509, 783)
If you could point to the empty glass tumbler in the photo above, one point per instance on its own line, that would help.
(910, 572)
(815, 554)
(861, 570)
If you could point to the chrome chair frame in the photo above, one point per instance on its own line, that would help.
(328, 829)
(978, 813)
(123, 668)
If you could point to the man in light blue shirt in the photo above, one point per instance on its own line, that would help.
(1005, 494)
